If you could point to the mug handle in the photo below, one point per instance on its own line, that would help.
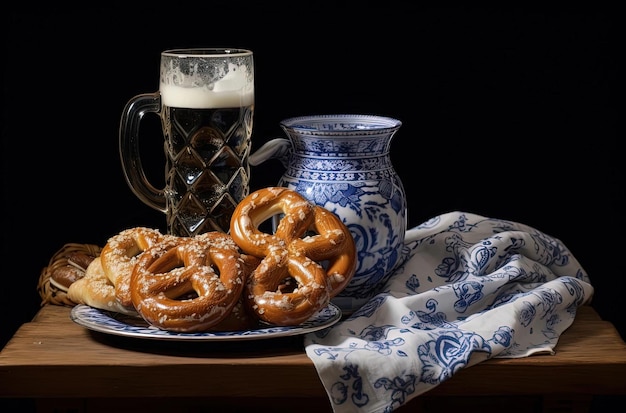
(277, 148)
(134, 111)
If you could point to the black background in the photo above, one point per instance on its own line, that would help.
(507, 113)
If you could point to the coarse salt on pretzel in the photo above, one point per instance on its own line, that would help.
(310, 245)
(120, 254)
(189, 284)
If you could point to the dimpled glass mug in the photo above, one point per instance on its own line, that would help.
(206, 104)
(342, 162)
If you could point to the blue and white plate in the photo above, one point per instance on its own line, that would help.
(109, 322)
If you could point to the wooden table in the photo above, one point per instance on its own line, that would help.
(60, 366)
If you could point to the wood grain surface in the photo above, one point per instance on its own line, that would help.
(590, 359)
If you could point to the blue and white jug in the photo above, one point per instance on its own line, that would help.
(342, 163)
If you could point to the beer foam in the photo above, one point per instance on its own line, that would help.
(233, 90)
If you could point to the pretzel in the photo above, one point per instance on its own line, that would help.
(76, 262)
(95, 289)
(310, 246)
(120, 254)
(239, 319)
(189, 284)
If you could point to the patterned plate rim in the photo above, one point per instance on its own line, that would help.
(112, 323)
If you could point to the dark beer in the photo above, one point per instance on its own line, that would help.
(207, 171)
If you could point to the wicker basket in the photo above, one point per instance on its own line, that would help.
(52, 293)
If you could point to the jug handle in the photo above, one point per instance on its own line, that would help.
(279, 148)
(412, 235)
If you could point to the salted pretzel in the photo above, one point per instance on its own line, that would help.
(310, 246)
(95, 289)
(189, 284)
(120, 254)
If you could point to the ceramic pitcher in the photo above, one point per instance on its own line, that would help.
(342, 162)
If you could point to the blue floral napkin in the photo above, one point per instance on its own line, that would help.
(471, 288)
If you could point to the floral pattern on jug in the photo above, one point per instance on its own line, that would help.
(342, 162)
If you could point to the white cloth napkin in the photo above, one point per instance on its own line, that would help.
(471, 288)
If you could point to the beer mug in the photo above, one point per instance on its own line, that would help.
(205, 102)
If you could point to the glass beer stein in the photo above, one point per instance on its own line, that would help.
(206, 103)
